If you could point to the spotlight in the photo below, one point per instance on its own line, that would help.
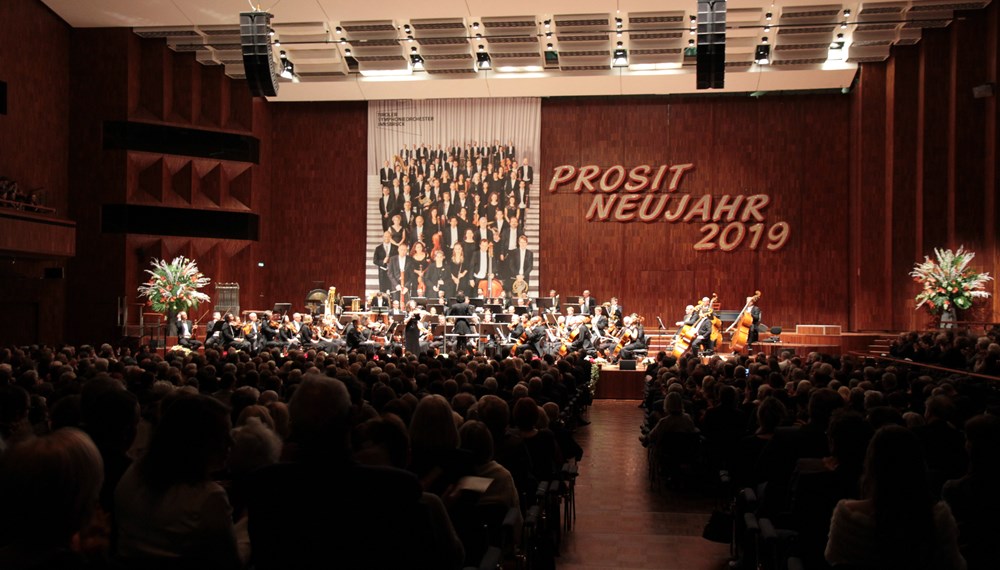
(343, 40)
(483, 59)
(406, 28)
(409, 38)
(270, 32)
(690, 43)
(283, 54)
(548, 34)
(693, 19)
(482, 48)
(548, 23)
(618, 23)
(767, 29)
(339, 30)
(762, 56)
(847, 12)
(692, 30)
(619, 34)
(549, 47)
(347, 52)
(288, 70)
(620, 58)
(475, 25)
(277, 43)
(479, 36)
(837, 43)
(843, 25)
(763, 40)
(767, 16)
(416, 60)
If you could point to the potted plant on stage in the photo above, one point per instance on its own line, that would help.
(949, 284)
(174, 287)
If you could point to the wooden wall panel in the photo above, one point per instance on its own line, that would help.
(739, 146)
(314, 224)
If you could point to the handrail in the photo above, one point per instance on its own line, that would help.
(928, 366)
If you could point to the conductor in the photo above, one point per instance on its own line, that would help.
(463, 327)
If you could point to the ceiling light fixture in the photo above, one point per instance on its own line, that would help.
(483, 59)
(548, 23)
(339, 30)
(843, 25)
(767, 28)
(620, 58)
(549, 47)
(406, 28)
(618, 23)
(767, 16)
(762, 56)
(475, 25)
(847, 12)
(347, 52)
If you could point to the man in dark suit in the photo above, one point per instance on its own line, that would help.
(386, 174)
(383, 253)
(185, 332)
(379, 302)
(527, 173)
(294, 501)
(462, 324)
(521, 262)
(481, 264)
(451, 234)
(420, 231)
(587, 303)
(401, 271)
(213, 331)
(386, 207)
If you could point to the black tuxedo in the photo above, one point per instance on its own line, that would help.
(505, 237)
(448, 210)
(386, 209)
(514, 261)
(402, 278)
(474, 260)
(421, 234)
(599, 323)
(379, 260)
(527, 173)
(379, 303)
(447, 240)
(587, 305)
(462, 326)
(385, 175)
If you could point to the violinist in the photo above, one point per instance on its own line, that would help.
(513, 335)
(636, 335)
(582, 340)
(536, 334)
(615, 310)
(296, 322)
(412, 330)
(185, 330)
(232, 335)
(287, 334)
(269, 330)
(352, 334)
(213, 334)
(251, 332)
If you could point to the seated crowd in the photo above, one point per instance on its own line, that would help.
(952, 348)
(857, 465)
(304, 460)
(12, 195)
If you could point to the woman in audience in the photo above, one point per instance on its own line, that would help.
(437, 460)
(541, 443)
(49, 487)
(770, 414)
(898, 524)
(167, 505)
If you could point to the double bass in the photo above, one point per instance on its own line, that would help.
(687, 334)
(743, 323)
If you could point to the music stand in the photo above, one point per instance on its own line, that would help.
(281, 308)
(439, 309)
(521, 310)
(545, 303)
(420, 301)
(477, 302)
(347, 301)
(494, 308)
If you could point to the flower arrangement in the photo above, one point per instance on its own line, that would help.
(174, 286)
(948, 282)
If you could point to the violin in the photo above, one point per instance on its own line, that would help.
(564, 349)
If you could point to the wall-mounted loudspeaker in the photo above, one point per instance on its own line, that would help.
(711, 59)
(258, 60)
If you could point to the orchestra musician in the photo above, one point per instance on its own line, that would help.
(515, 330)
(582, 341)
(702, 339)
(353, 335)
(412, 331)
(185, 332)
(637, 336)
(269, 329)
(753, 334)
(437, 278)
(615, 310)
(213, 331)
(401, 275)
(587, 303)
(536, 334)
(599, 325)
(251, 333)
(232, 337)
(379, 302)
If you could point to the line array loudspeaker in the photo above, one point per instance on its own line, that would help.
(711, 59)
(258, 59)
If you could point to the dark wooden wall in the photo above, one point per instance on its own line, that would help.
(793, 148)
(314, 227)
(34, 148)
(117, 77)
(923, 168)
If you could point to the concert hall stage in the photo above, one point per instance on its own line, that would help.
(617, 384)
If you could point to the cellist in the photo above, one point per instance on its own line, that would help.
(703, 335)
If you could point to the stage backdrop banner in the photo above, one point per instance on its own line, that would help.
(453, 147)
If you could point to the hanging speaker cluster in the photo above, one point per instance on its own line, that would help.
(258, 60)
(711, 58)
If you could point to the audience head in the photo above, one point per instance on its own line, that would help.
(433, 425)
(191, 441)
(49, 487)
(476, 438)
(319, 415)
(982, 434)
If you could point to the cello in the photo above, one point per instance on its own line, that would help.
(743, 323)
(687, 334)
